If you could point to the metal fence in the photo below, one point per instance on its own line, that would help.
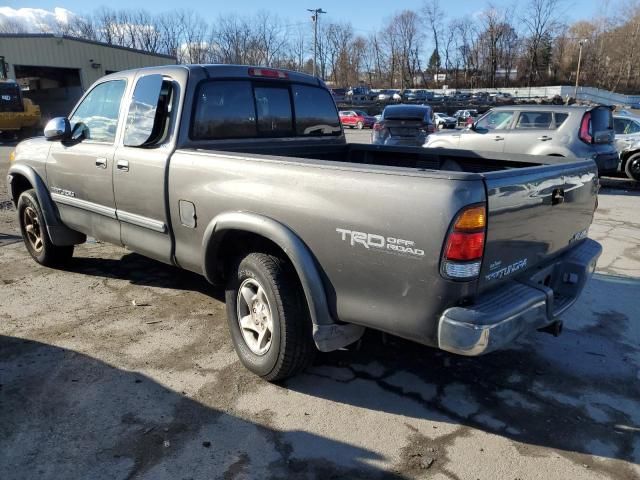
(584, 93)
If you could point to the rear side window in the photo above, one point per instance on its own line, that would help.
(560, 118)
(224, 110)
(534, 120)
(315, 111)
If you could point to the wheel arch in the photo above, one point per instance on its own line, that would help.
(227, 228)
(626, 156)
(22, 177)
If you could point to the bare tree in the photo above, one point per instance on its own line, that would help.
(539, 19)
(434, 18)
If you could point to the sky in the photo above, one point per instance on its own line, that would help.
(365, 16)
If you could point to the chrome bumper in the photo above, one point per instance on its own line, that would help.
(519, 306)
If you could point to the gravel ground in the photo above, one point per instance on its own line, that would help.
(120, 367)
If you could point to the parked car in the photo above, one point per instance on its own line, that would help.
(416, 95)
(463, 116)
(563, 131)
(356, 119)
(627, 130)
(389, 96)
(360, 95)
(403, 125)
(339, 95)
(242, 174)
(442, 120)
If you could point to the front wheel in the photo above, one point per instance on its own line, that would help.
(268, 317)
(34, 233)
(632, 167)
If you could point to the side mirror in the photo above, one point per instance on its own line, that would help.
(57, 129)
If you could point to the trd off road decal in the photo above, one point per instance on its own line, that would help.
(372, 241)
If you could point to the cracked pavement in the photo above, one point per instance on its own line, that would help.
(93, 386)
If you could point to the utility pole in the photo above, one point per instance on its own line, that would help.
(314, 18)
(575, 91)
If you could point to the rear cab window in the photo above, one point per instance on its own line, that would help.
(230, 109)
(539, 120)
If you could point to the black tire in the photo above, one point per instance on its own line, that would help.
(44, 252)
(291, 349)
(632, 167)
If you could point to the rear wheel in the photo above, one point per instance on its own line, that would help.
(34, 233)
(268, 317)
(359, 125)
(632, 167)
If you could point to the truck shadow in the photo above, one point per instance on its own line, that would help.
(578, 394)
(68, 415)
(140, 270)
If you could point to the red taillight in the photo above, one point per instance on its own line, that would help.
(267, 73)
(584, 135)
(378, 126)
(464, 246)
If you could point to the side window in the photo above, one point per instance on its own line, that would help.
(634, 127)
(534, 120)
(497, 120)
(560, 118)
(619, 125)
(315, 111)
(224, 109)
(274, 111)
(96, 118)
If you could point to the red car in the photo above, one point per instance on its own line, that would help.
(356, 119)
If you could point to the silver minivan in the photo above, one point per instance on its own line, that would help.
(561, 131)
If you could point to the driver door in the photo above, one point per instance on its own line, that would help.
(80, 170)
(490, 132)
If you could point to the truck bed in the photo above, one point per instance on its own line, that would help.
(400, 157)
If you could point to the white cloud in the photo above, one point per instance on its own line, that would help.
(34, 20)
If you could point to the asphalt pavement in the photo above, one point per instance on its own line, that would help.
(121, 367)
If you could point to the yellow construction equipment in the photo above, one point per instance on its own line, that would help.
(18, 116)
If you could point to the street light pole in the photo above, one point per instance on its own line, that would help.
(314, 17)
(575, 91)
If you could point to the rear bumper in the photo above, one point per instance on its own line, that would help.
(519, 306)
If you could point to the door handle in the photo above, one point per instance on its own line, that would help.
(101, 162)
(498, 138)
(122, 165)
(544, 138)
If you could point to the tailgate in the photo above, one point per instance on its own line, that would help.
(534, 213)
(404, 128)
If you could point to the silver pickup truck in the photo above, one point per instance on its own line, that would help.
(243, 175)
